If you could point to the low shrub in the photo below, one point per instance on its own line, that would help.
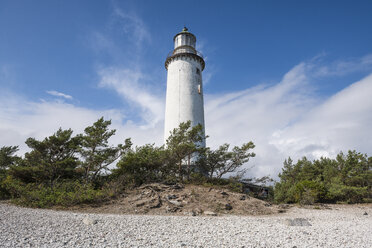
(67, 193)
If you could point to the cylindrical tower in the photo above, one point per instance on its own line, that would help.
(184, 100)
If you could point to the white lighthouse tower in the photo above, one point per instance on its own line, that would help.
(184, 100)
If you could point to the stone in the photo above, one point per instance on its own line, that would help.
(171, 209)
(141, 203)
(171, 197)
(197, 211)
(210, 213)
(365, 213)
(192, 213)
(177, 186)
(224, 193)
(156, 205)
(88, 221)
(297, 222)
(242, 198)
(228, 206)
(176, 203)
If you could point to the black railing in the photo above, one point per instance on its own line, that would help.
(174, 52)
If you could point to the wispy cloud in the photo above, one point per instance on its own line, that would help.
(283, 119)
(128, 80)
(21, 118)
(288, 119)
(59, 94)
(132, 25)
(127, 83)
(343, 67)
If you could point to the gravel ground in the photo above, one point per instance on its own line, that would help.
(343, 226)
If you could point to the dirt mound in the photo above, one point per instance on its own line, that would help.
(160, 199)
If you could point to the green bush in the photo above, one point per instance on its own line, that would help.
(350, 194)
(348, 178)
(308, 192)
(67, 193)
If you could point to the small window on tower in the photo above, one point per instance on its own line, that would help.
(197, 71)
(199, 88)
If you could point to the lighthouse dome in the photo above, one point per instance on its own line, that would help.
(184, 38)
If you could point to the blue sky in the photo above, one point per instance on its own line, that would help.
(292, 76)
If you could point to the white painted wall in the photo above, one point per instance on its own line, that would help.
(183, 100)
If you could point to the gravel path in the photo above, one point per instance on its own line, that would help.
(340, 227)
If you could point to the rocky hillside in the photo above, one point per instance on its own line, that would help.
(160, 199)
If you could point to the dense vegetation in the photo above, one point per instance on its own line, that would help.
(66, 170)
(348, 178)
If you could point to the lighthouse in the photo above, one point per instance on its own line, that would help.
(184, 97)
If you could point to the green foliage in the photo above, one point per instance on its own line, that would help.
(65, 170)
(7, 159)
(348, 178)
(183, 146)
(95, 151)
(219, 162)
(67, 193)
(50, 160)
(145, 164)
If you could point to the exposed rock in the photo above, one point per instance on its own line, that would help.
(161, 199)
(141, 203)
(171, 209)
(228, 206)
(88, 221)
(170, 197)
(197, 211)
(192, 213)
(174, 202)
(177, 186)
(155, 203)
(284, 206)
(297, 222)
(210, 213)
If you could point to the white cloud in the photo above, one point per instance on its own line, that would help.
(21, 118)
(127, 83)
(284, 119)
(59, 94)
(343, 67)
(341, 122)
(287, 119)
(132, 25)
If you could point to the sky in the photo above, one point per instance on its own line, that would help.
(294, 77)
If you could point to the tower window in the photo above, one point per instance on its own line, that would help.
(197, 71)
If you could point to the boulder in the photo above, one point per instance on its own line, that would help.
(88, 221)
(210, 213)
(297, 222)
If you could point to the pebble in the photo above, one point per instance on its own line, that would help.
(24, 227)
